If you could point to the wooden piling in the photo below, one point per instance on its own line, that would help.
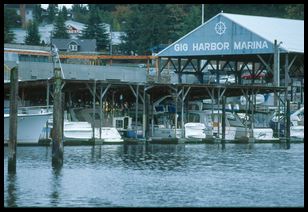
(13, 120)
(288, 124)
(57, 135)
(223, 120)
(93, 114)
(136, 114)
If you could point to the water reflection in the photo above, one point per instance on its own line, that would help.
(154, 156)
(158, 175)
(11, 189)
(55, 186)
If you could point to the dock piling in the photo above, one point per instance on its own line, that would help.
(13, 120)
(287, 128)
(223, 120)
(57, 135)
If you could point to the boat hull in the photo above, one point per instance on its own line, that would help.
(29, 127)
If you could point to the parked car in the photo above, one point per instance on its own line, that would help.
(226, 79)
(249, 76)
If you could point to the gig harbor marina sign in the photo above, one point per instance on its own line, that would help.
(205, 46)
(218, 36)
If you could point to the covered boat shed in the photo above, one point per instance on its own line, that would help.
(232, 42)
(266, 48)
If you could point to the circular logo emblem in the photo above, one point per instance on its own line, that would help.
(220, 28)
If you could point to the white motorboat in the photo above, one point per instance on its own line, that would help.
(297, 120)
(30, 122)
(84, 131)
(297, 124)
(160, 131)
(195, 130)
(212, 122)
(235, 129)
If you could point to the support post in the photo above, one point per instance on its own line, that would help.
(93, 114)
(13, 120)
(144, 113)
(100, 111)
(136, 114)
(182, 113)
(176, 112)
(57, 139)
(223, 119)
(147, 109)
(275, 65)
(252, 103)
(288, 124)
(286, 71)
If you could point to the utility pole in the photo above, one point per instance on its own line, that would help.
(202, 13)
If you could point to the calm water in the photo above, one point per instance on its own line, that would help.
(183, 175)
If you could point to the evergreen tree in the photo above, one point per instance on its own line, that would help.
(80, 13)
(94, 29)
(64, 13)
(295, 11)
(37, 13)
(8, 24)
(33, 37)
(175, 18)
(60, 28)
(52, 11)
(8, 34)
(193, 18)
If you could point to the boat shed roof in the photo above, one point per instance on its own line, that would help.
(232, 34)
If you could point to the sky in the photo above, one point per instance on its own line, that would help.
(68, 6)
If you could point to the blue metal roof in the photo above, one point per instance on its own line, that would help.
(231, 34)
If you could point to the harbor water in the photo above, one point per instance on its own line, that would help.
(158, 175)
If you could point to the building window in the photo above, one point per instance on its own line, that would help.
(73, 47)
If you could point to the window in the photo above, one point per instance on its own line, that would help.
(73, 47)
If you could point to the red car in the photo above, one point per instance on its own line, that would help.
(248, 76)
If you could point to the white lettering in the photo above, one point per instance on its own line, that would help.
(265, 45)
(201, 47)
(237, 45)
(258, 45)
(226, 46)
(181, 47)
(207, 47)
(195, 47)
(250, 45)
(220, 46)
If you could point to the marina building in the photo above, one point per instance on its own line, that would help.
(222, 60)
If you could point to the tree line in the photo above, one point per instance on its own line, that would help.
(145, 25)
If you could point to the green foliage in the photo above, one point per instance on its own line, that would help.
(52, 11)
(64, 13)
(80, 13)
(295, 11)
(10, 22)
(192, 20)
(11, 18)
(8, 35)
(37, 12)
(60, 28)
(33, 37)
(95, 29)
